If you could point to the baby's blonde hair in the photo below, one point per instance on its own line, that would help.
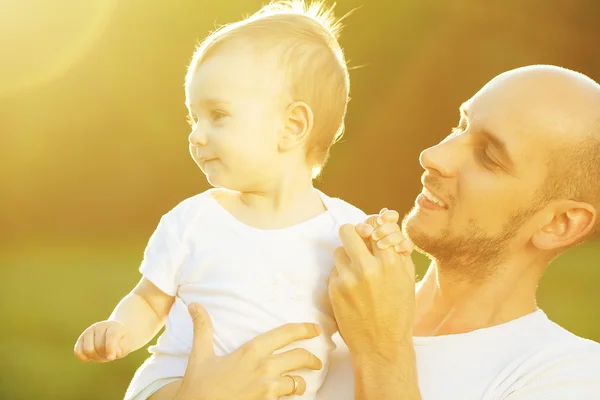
(314, 62)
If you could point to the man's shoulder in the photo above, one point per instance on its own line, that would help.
(557, 344)
(559, 334)
(563, 366)
(577, 345)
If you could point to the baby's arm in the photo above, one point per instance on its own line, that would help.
(134, 322)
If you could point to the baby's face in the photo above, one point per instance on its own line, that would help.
(236, 102)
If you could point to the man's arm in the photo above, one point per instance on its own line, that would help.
(393, 377)
(372, 291)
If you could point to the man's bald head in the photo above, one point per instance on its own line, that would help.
(563, 104)
(573, 112)
(563, 109)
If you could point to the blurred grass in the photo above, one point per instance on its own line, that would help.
(52, 291)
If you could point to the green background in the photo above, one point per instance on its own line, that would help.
(93, 148)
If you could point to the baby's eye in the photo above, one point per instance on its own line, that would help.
(218, 114)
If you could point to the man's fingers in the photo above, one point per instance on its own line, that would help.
(340, 258)
(353, 244)
(364, 229)
(332, 276)
(202, 344)
(286, 384)
(342, 275)
(268, 342)
(340, 282)
(292, 360)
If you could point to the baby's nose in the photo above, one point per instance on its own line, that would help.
(197, 137)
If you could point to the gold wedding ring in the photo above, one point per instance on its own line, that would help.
(293, 392)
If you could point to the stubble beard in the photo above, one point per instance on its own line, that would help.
(472, 255)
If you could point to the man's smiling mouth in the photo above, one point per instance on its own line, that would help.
(432, 198)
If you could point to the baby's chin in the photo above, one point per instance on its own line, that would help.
(221, 182)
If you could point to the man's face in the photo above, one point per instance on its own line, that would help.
(484, 178)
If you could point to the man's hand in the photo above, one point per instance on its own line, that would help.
(372, 290)
(251, 372)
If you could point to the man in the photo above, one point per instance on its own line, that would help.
(516, 184)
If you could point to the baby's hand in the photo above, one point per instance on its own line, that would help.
(102, 342)
(385, 232)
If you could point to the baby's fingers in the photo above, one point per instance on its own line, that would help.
(391, 240)
(388, 216)
(89, 345)
(385, 230)
(406, 247)
(100, 342)
(78, 350)
(114, 334)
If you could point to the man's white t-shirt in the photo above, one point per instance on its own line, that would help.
(249, 281)
(530, 358)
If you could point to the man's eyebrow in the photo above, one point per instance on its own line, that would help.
(491, 138)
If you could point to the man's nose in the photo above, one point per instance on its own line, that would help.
(442, 158)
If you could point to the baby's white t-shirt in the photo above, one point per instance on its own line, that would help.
(530, 358)
(249, 280)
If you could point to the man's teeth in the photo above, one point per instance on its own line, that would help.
(429, 196)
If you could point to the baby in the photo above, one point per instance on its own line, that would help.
(267, 98)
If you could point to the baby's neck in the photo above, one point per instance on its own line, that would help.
(278, 197)
(275, 209)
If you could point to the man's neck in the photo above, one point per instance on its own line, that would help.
(447, 305)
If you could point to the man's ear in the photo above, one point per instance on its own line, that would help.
(566, 223)
(298, 124)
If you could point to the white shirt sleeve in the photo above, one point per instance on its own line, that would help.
(164, 255)
(573, 376)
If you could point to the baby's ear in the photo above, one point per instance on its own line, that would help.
(297, 126)
(568, 223)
